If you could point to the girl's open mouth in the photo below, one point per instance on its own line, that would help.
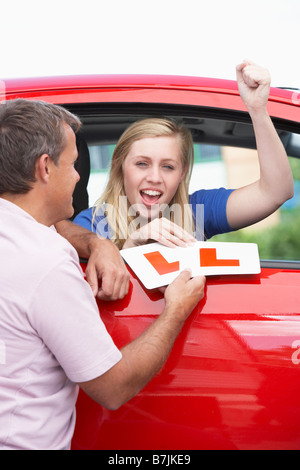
(150, 196)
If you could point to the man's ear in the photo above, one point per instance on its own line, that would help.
(42, 168)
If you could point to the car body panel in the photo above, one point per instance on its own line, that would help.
(232, 380)
(146, 89)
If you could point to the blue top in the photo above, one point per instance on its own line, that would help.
(208, 206)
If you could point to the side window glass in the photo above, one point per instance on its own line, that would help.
(100, 157)
(277, 236)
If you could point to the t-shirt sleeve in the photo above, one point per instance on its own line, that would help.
(214, 202)
(65, 315)
(85, 220)
(95, 222)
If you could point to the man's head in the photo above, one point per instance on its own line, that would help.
(37, 157)
(29, 129)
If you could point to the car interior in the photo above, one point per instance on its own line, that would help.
(105, 124)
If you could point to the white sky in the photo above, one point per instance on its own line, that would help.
(179, 37)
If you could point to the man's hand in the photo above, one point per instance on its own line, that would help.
(146, 355)
(254, 85)
(106, 265)
(184, 293)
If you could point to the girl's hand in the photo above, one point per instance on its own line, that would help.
(163, 231)
(254, 85)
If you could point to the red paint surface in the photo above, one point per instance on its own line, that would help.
(232, 380)
(215, 93)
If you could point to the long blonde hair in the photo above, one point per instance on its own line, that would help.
(110, 201)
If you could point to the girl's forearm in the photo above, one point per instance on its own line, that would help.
(276, 178)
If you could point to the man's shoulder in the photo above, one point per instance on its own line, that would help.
(26, 239)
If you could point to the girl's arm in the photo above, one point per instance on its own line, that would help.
(254, 202)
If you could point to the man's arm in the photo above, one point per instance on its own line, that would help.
(105, 263)
(145, 356)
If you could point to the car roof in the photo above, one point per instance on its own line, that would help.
(211, 108)
(64, 89)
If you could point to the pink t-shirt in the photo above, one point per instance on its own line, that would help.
(51, 335)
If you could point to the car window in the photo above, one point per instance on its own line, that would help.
(209, 169)
(100, 158)
(278, 235)
(225, 156)
(232, 167)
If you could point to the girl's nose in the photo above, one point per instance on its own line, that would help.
(154, 174)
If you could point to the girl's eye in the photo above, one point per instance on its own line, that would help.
(145, 164)
(141, 164)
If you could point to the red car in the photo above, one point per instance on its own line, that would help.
(232, 380)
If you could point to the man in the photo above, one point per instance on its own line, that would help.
(105, 272)
(51, 336)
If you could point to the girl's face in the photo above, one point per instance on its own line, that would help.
(152, 173)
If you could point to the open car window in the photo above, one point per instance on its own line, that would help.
(225, 156)
(277, 236)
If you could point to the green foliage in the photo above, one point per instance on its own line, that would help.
(281, 242)
(295, 166)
